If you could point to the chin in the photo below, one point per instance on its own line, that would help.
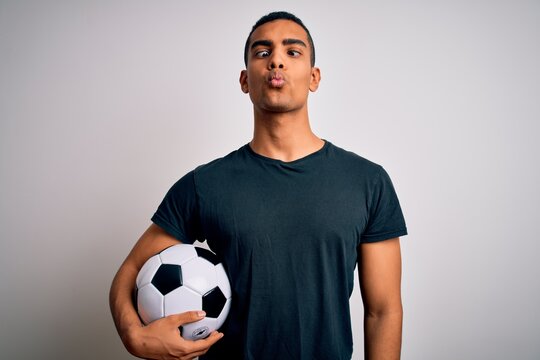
(277, 107)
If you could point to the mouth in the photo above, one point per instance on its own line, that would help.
(276, 80)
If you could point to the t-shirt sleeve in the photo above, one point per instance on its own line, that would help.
(386, 219)
(178, 213)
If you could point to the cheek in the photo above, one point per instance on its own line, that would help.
(304, 76)
(254, 82)
(304, 82)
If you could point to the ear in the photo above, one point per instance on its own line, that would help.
(315, 79)
(243, 82)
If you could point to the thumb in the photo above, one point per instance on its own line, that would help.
(187, 317)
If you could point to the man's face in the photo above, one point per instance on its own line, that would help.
(279, 75)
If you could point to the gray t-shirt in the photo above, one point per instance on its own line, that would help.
(287, 234)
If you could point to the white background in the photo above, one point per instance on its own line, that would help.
(105, 104)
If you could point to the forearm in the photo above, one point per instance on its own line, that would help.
(120, 300)
(382, 335)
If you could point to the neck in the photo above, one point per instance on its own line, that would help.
(284, 136)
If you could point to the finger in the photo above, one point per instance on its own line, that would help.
(204, 344)
(186, 317)
(200, 347)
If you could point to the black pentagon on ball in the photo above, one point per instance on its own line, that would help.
(207, 255)
(167, 278)
(213, 302)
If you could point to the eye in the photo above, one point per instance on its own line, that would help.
(294, 53)
(262, 53)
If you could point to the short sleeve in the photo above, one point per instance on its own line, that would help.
(386, 219)
(178, 212)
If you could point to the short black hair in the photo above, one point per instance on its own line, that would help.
(279, 15)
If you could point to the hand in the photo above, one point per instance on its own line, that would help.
(161, 339)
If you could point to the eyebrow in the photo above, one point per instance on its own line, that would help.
(284, 42)
(261, 43)
(294, 42)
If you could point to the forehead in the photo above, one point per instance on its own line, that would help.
(278, 30)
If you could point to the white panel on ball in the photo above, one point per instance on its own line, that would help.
(199, 275)
(178, 254)
(148, 271)
(223, 315)
(181, 300)
(150, 303)
(223, 280)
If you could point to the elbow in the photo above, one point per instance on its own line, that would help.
(384, 310)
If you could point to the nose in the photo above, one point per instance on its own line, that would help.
(275, 61)
(274, 65)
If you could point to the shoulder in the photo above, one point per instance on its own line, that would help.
(353, 162)
(219, 166)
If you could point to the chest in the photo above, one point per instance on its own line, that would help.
(319, 211)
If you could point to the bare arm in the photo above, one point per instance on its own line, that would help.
(161, 338)
(379, 269)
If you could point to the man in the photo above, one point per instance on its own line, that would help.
(290, 215)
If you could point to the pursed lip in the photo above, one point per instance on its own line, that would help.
(276, 79)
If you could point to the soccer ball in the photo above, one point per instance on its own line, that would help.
(184, 278)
